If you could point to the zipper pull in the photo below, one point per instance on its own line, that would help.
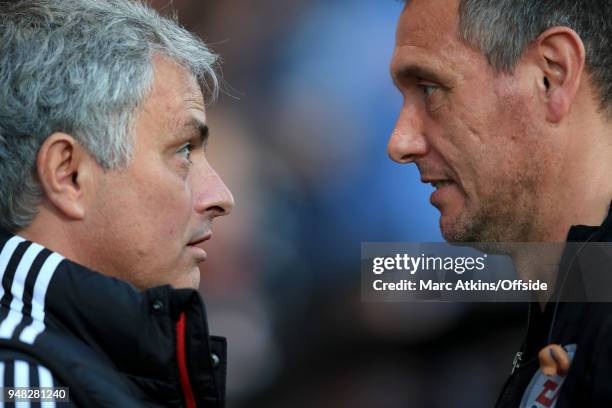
(517, 361)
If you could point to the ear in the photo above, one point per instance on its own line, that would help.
(561, 59)
(65, 171)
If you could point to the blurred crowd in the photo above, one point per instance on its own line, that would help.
(300, 136)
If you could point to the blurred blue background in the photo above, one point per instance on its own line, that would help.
(300, 138)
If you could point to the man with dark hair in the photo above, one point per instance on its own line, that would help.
(105, 198)
(508, 114)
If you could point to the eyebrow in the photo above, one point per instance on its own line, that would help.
(198, 127)
(416, 71)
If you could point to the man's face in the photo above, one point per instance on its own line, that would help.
(147, 217)
(471, 131)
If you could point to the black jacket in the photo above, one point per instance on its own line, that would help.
(112, 345)
(585, 327)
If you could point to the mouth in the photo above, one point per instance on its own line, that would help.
(199, 254)
(201, 239)
(441, 183)
(444, 192)
(438, 183)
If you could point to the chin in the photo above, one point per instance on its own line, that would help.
(449, 228)
(452, 236)
(455, 229)
(190, 279)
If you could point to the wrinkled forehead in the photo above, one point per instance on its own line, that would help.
(428, 22)
(175, 88)
(428, 40)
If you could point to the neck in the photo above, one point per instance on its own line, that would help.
(538, 261)
(578, 190)
(51, 231)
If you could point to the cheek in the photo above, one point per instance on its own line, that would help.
(168, 207)
(510, 156)
(464, 152)
(152, 209)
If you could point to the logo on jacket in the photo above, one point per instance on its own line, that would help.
(543, 390)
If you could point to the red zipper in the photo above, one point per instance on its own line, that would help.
(182, 362)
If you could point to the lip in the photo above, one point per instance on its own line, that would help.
(199, 253)
(431, 180)
(201, 239)
(442, 187)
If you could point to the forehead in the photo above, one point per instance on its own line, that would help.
(176, 95)
(424, 22)
(428, 35)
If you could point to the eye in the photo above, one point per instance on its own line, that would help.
(428, 89)
(185, 151)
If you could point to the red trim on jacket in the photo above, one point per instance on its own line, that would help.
(182, 362)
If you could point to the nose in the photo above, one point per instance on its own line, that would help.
(213, 197)
(407, 142)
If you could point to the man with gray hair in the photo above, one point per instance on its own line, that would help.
(105, 198)
(508, 114)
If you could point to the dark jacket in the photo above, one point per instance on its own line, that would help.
(112, 345)
(583, 326)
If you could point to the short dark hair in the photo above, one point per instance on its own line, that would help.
(503, 29)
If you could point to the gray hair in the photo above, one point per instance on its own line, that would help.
(82, 67)
(503, 29)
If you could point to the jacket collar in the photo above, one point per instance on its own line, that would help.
(582, 233)
(576, 268)
(136, 330)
